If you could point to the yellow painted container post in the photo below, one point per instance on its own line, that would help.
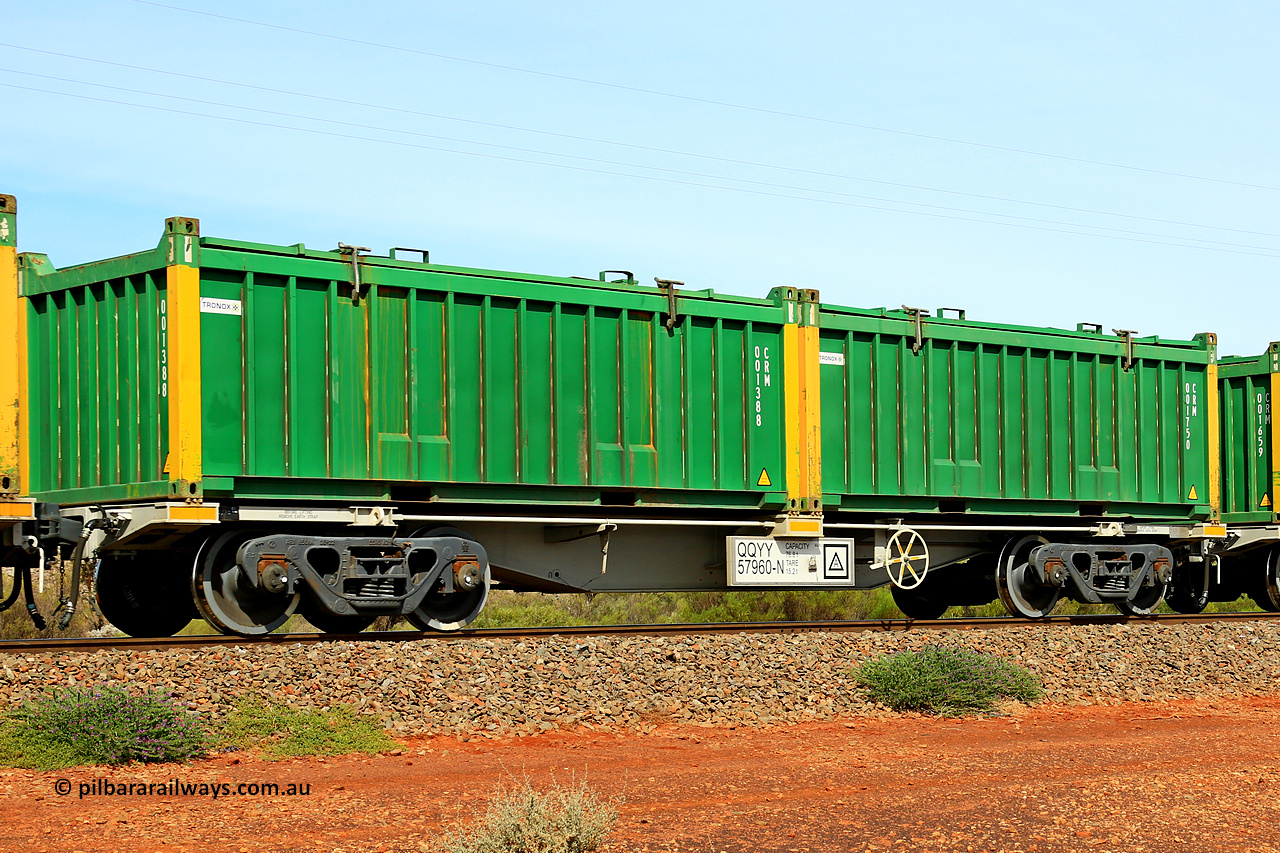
(13, 355)
(1215, 431)
(180, 374)
(803, 407)
(811, 400)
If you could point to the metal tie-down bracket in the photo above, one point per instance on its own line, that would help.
(572, 533)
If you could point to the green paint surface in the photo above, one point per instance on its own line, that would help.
(991, 418)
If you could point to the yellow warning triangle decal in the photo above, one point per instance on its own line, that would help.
(1192, 494)
(1266, 500)
(764, 478)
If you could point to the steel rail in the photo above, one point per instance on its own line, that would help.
(92, 644)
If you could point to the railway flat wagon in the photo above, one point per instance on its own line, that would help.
(242, 431)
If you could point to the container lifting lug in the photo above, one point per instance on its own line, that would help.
(354, 252)
(917, 315)
(670, 287)
(1127, 334)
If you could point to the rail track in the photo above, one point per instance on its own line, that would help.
(92, 644)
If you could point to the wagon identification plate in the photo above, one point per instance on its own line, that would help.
(763, 561)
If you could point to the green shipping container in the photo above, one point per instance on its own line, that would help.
(1250, 467)
(419, 382)
(956, 416)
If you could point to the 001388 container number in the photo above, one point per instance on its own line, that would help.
(763, 380)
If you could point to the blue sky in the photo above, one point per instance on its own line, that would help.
(1037, 163)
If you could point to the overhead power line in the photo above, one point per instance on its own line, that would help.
(604, 162)
(1228, 248)
(708, 101)
(629, 145)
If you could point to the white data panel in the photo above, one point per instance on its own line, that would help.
(764, 561)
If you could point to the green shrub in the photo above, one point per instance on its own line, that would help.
(946, 680)
(564, 819)
(291, 732)
(107, 725)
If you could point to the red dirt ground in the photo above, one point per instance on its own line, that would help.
(1152, 776)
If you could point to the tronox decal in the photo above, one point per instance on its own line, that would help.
(220, 306)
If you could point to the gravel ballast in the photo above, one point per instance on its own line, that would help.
(503, 687)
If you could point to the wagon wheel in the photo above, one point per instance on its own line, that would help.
(916, 604)
(1188, 592)
(441, 611)
(1023, 594)
(1264, 575)
(906, 558)
(1145, 602)
(144, 596)
(225, 595)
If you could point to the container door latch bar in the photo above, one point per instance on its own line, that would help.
(670, 287)
(354, 252)
(1127, 334)
(917, 315)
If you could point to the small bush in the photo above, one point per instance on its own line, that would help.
(292, 732)
(564, 819)
(946, 680)
(103, 726)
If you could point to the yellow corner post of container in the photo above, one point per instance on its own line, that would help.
(13, 356)
(811, 409)
(1212, 403)
(803, 407)
(791, 385)
(181, 374)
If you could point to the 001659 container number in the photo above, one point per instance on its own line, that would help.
(763, 380)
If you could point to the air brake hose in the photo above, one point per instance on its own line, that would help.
(13, 593)
(77, 560)
(29, 594)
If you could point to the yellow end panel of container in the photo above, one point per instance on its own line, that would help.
(182, 375)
